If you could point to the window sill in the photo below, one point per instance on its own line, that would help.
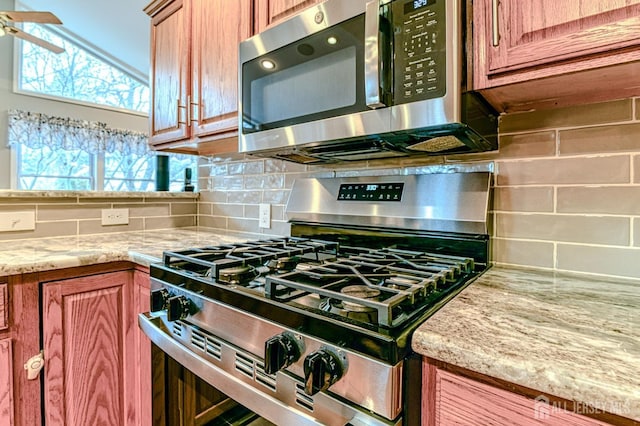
(21, 194)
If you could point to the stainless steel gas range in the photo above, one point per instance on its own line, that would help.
(315, 328)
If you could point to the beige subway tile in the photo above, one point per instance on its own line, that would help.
(244, 225)
(110, 200)
(636, 231)
(523, 199)
(254, 167)
(213, 196)
(637, 108)
(602, 199)
(146, 210)
(279, 166)
(279, 228)
(595, 140)
(17, 207)
(44, 230)
(226, 182)
(229, 210)
(70, 211)
(251, 211)
(4, 200)
(636, 168)
(568, 228)
(212, 222)
(264, 181)
(277, 212)
(599, 260)
(178, 209)
(244, 197)
(523, 253)
(580, 115)
(95, 227)
(169, 222)
(275, 197)
(582, 170)
(205, 209)
(539, 144)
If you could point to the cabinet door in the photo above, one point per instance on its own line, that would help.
(89, 345)
(6, 383)
(531, 33)
(142, 295)
(272, 11)
(465, 402)
(218, 27)
(170, 30)
(4, 306)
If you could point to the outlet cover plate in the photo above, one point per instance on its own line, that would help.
(17, 221)
(264, 216)
(115, 217)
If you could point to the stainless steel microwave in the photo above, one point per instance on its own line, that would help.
(360, 79)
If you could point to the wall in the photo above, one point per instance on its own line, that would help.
(10, 100)
(68, 213)
(566, 193)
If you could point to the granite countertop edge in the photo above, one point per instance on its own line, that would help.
(572, 336)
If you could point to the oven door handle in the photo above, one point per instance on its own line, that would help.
(262, 404)
(372, 55)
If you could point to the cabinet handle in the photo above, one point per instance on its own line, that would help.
(179, 107)
(193, 113)
(495, 35)
(34, 365)
(189, 110)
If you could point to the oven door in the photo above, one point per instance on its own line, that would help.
(321, 75)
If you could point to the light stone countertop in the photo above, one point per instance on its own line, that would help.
(142, 247)
(574, 337)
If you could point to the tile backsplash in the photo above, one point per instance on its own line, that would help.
(63, 213)
(566, 188)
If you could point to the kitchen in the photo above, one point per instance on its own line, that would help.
(565, 179)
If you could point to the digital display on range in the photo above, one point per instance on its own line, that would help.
(370, 192)
(417, 4)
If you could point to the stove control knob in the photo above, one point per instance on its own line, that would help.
(322, 368)
(279, 352)
(159, 299)
(179, 308)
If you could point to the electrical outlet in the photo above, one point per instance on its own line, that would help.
(17, 221)
(264, 216)
(115, 217)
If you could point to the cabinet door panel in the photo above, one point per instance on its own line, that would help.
(279, 10)
(89, 341)
(170, 74)
(547, 31)
(6, 383)
(4, 306)
(219, 26)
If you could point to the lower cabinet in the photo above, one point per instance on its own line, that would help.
(449, 399)
(6, 383)
(97, 362)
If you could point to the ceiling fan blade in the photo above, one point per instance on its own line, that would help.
(33, 39)
(38, 17)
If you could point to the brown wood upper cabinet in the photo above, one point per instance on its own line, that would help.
(273, 11)
(517, 41)
(194, 73)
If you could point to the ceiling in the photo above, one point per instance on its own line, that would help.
(118, 28)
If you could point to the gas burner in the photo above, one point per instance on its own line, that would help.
(360, 292)
(238, 275)
(283, 264)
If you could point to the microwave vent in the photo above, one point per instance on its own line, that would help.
(437, 144)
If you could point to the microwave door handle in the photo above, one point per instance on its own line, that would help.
(372, 55)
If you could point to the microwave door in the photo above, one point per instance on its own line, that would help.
(315, 88)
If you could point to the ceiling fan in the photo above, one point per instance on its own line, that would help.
(37, 17)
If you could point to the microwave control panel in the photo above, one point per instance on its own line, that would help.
(420, 50)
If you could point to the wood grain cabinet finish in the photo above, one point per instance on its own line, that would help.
(450, 399)
(170, 74)
(194, 73)
(517, 41)
(4, 306)
(89, 336)
(270, 12)
(6, 383)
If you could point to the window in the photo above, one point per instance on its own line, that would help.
(55, 153)
(77, 74)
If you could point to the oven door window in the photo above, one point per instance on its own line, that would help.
(315, 78)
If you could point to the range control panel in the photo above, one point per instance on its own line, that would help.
(420, 50)
(372, 192)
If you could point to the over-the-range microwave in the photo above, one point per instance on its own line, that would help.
(360, 79)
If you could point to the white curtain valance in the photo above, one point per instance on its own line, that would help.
(36, 130)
